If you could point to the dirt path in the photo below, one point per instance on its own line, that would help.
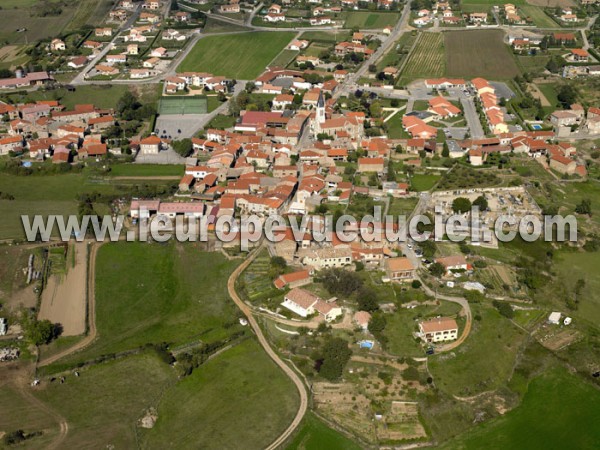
(535, 91)
(21, 385)
(274, 356)
(63, 299)
(91, 336)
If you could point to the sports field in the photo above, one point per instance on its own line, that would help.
(479, 53)
(427, 58)
(370, 20)
(183, 105)
(239, 56)
(558, 411)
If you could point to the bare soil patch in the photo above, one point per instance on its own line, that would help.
(64, 298)
(535, 91)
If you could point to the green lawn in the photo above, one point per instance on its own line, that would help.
(240, 399)
(539, 17)
(221, 121)
(549, 91)
(558, 411)
(423, 182)
(470, 369)
(402, 206)
(371, 20)
(240, 56)
(489, 2)
(313, 434)
(146, 170)
(152, 293)
(403, 323)
(394, 127)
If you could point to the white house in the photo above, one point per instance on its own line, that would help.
(438, 330)
(305, 303)
(554, 318)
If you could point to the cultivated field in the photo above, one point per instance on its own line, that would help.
(480, 53)
(551, 3)
(427, 58)
(64, 297)
(240, 56)
(370, 20)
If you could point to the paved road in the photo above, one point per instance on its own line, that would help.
(472, 118)
(80, 78)
(350, 83)
(274, 356)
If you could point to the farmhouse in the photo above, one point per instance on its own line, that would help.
(370, 164)
(326, 257)
(305, 303)
(293, 280)
(150, 145)
(438, 330)
(457, 262)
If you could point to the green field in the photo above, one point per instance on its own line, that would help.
(539, 17)
(101, 95)
(549, 91)
(240, 399)
(423, 182)
(489, 2)
(325, 36)
(146, 170)
(75, 15)
(183, 105)
(427, 59)
(240, 56)
(51, 194)
(313, 434)
(284, 58)
(103, 405)
(371, 20)
(471, 370)
(479, 53)
(573, 266)
(558, 411)
(172, 293)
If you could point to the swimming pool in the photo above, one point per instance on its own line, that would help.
(366, 344)
(536, 126)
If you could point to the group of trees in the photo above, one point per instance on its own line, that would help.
(332, 357)
(39, 332)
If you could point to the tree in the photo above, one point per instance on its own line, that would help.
(39, 332)
(429, 248)
(437, 270)
(481, 202)
(584, 207)
(183, 147)
(567, 95)
(366, 299)
(504, 309)
(461, 205)
(335, 354)
(341, 282)
(416, 284)
(445, 150)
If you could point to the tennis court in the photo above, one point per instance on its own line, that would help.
(182, 105)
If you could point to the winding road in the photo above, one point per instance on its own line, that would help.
(265, 344)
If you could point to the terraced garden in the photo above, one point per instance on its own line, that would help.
(256, 284)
